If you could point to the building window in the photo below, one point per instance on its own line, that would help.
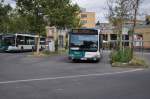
(113, 36)
(105, 37)
(83, 15)
(125, 38)
(83, 22)
(21, 40)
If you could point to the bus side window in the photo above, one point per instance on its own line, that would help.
(42, 41)
(29, 40)
(20, 40)
(32, 41)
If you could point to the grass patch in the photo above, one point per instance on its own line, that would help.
(138, 62)
(134, 63)
(123, 58)
(48, 53)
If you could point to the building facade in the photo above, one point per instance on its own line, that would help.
(87, 19)
(110, 37)
(142, 35)
(56, 37)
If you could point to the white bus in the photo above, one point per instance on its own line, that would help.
(21, 42)
(85, 44)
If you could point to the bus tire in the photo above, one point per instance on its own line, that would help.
(33, 48)
(75, 60)
(22, 49)
(97, 60)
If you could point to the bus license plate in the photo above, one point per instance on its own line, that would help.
(83, 58)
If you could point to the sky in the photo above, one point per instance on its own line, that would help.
(99, 6)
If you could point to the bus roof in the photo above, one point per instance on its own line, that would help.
(29, 35)
(85, 29)
(18, 34)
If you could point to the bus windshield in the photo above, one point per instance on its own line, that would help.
(9, 40)
(84, 42)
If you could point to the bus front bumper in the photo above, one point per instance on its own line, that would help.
(84, 58)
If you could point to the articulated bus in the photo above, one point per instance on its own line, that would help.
(21, 42)
(85, 44)
(0, 39)
(1, 42)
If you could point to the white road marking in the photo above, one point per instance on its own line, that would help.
(68, 77)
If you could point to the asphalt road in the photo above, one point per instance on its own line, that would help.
(26, 77)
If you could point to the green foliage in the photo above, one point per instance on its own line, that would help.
(59, 13)
(121, 55)
(34, 15)
(18, 24)
(62, 13)
(33, 11)
(4, 16)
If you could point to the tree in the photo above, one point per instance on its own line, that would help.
(17, 23)
(120, 11)
(33, 11)
(4, 16)
(60, 13)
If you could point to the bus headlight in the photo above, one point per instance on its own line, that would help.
(71, 55)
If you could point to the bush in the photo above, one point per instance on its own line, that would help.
(122, 56)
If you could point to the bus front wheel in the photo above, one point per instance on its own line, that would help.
(22, 49)
(33, 48)
(97, 60)
(75, 60)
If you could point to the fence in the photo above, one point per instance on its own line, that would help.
(137, 45)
